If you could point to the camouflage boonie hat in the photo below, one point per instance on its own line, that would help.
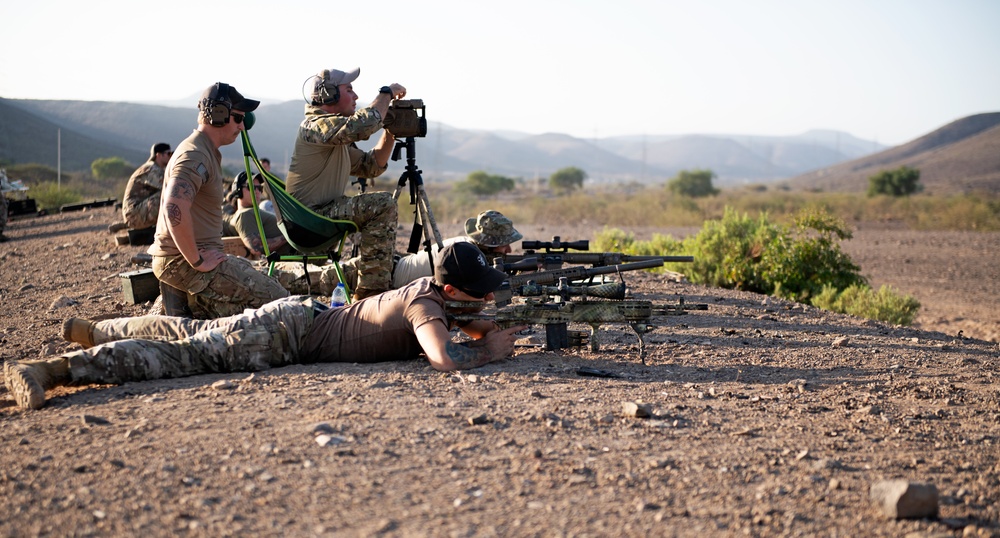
(491, 229)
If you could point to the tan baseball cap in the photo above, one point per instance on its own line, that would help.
(491, 229)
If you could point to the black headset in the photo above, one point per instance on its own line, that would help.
(322, 95)
(217, 107)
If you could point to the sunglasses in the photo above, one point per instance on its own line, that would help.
(238, 118)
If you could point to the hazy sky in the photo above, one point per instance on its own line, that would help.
(888, 70)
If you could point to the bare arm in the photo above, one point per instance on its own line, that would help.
(445, 355)
(180, 194)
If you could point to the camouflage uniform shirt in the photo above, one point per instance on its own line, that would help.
(325, 155)
(141, 204)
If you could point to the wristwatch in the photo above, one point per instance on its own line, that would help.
(386, 89)
(199, 262)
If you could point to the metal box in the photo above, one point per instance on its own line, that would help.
(140, 286)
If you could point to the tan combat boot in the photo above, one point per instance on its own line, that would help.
(80, 331)
(27, 381)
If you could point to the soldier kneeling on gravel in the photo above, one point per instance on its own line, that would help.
(398, 324)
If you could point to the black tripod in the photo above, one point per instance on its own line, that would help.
(424, 224)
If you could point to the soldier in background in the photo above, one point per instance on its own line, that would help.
(141, 203)
(244, 224)
(326, 156)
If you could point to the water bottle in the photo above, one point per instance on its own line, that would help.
(339, 296)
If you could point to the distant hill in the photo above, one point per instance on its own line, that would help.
(91, 130)
(961, 157)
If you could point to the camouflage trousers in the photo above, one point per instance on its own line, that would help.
(141, 214)
(224, 291)
(322, 279)
(376, 215)
(161, 347)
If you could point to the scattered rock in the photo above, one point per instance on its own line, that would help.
(902, 499)
(63, 302)
(478, 419)
(841, 342)
(637, 410)
(91, 419)
(223, 384)
(329, 440)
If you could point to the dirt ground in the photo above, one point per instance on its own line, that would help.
(768, 418)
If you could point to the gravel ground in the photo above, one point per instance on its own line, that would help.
(766, 417)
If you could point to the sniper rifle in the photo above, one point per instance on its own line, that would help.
(515, 283)
(555, 253)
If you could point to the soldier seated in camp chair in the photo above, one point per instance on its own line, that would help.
(325, 157)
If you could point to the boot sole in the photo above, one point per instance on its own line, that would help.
(27, 391)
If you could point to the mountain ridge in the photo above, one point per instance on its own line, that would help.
(447, 153)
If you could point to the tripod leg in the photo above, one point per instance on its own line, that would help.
(425, 208)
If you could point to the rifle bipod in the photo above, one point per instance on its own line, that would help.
(424, 225)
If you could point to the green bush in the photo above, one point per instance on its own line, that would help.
(566, 180)
(49, 196)
(902, 181)
(802, 261)
(694, 183)
(862, 301)
(480, 183)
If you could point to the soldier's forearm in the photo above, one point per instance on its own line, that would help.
(465, 357)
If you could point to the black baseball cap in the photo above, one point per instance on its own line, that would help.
(462, 265)
(222, 92)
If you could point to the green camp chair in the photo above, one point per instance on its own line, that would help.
(316, 238)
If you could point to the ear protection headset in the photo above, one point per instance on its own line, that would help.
(322, 94)
(217, 106)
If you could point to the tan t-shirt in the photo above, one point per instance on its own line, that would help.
(200, 162)
(378, 329)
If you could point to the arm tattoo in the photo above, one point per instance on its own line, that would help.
(182, 188)
(466, 357)
(173, 214)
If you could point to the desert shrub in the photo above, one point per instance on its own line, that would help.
(694, 183)
(111, 168)
(480, 183)
(806, 256)
(567, 180)
(616, 240)
(727, 252)
(902, 181)
(801, 261)
(49, 196)
(860, 300)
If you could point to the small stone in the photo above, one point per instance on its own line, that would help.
(901, 499)
(329, 440)
(637, 410)
(91, 419)
(479, 419)
(841, 342)
(223, 384)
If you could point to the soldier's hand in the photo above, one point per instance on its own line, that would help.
(501, 342)
(210, 259)
(398, 91)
